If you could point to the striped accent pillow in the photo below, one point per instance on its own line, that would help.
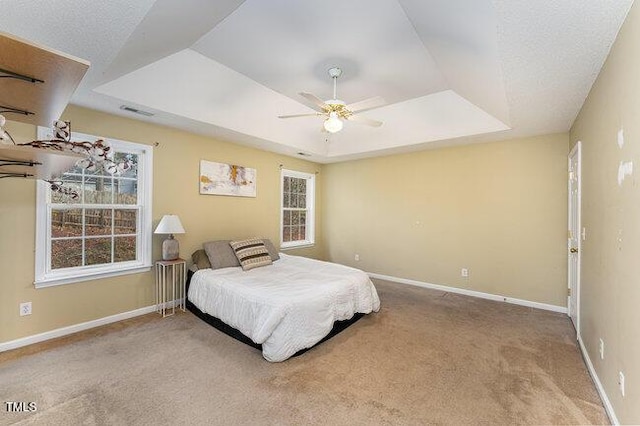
(251, 253)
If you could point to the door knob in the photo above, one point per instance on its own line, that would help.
(573, 250)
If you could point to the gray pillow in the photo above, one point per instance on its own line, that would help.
(200, 259)
(220, 254)
(273, 252)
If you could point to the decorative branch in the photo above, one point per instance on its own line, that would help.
(99, 155)
(57, 186)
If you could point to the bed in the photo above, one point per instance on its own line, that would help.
(285, 307)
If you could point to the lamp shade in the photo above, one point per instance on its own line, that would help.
(169, 224)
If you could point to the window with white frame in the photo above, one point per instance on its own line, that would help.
(106, 230)
(297, 223)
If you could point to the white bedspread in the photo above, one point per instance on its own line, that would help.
(287, 306)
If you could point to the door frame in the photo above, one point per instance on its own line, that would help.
(576, 152)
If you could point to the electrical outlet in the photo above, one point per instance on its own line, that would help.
(25, 309)
(621, 382)
(357, 257)
(464, 272)
(601, 349)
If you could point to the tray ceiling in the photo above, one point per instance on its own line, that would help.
(451, 71)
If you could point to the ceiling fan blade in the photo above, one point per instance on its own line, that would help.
(366, 104)
(313, 101)
(315, 114)
(364, 120)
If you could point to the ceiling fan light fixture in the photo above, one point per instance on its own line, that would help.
(336, 110)
(333, 124)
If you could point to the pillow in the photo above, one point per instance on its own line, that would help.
(220, 254)
(251, 253)
(273, 252)
(200, 259)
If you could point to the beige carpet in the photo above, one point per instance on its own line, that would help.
(427, 357)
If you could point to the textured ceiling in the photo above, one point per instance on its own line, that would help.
(451, 71)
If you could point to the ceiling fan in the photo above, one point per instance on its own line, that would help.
(336, 110)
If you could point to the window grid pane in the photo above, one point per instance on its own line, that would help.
(98, 250)
(85, 234)
(125, 221)
(294, 209)
(125, 191)
(72, 249)
(98, 221)
(98, 189)
(124, 248)
(66, 223)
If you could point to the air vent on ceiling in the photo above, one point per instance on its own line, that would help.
(136, 111)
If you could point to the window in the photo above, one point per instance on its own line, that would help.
(106, 231)
(298, 217)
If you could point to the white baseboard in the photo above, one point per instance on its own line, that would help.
(59, 332)
(472, 293)
(603, 395)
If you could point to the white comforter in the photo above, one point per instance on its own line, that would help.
(287, 306)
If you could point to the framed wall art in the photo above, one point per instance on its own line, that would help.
(227, 179)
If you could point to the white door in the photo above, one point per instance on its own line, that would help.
(574, 236)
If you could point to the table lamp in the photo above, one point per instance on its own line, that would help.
(170, 224)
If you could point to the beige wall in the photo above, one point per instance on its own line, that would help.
(175, 190)
(610, 286)
(499, 209)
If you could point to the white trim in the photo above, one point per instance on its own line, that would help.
(311, 211)
(594, 376)
(576, 150)
(59, 332)
(64, 331)
(44, 276)
(297, 174)
(472, 293)
(50, 282)
(298, 245)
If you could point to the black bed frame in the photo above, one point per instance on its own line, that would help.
(338, 326)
